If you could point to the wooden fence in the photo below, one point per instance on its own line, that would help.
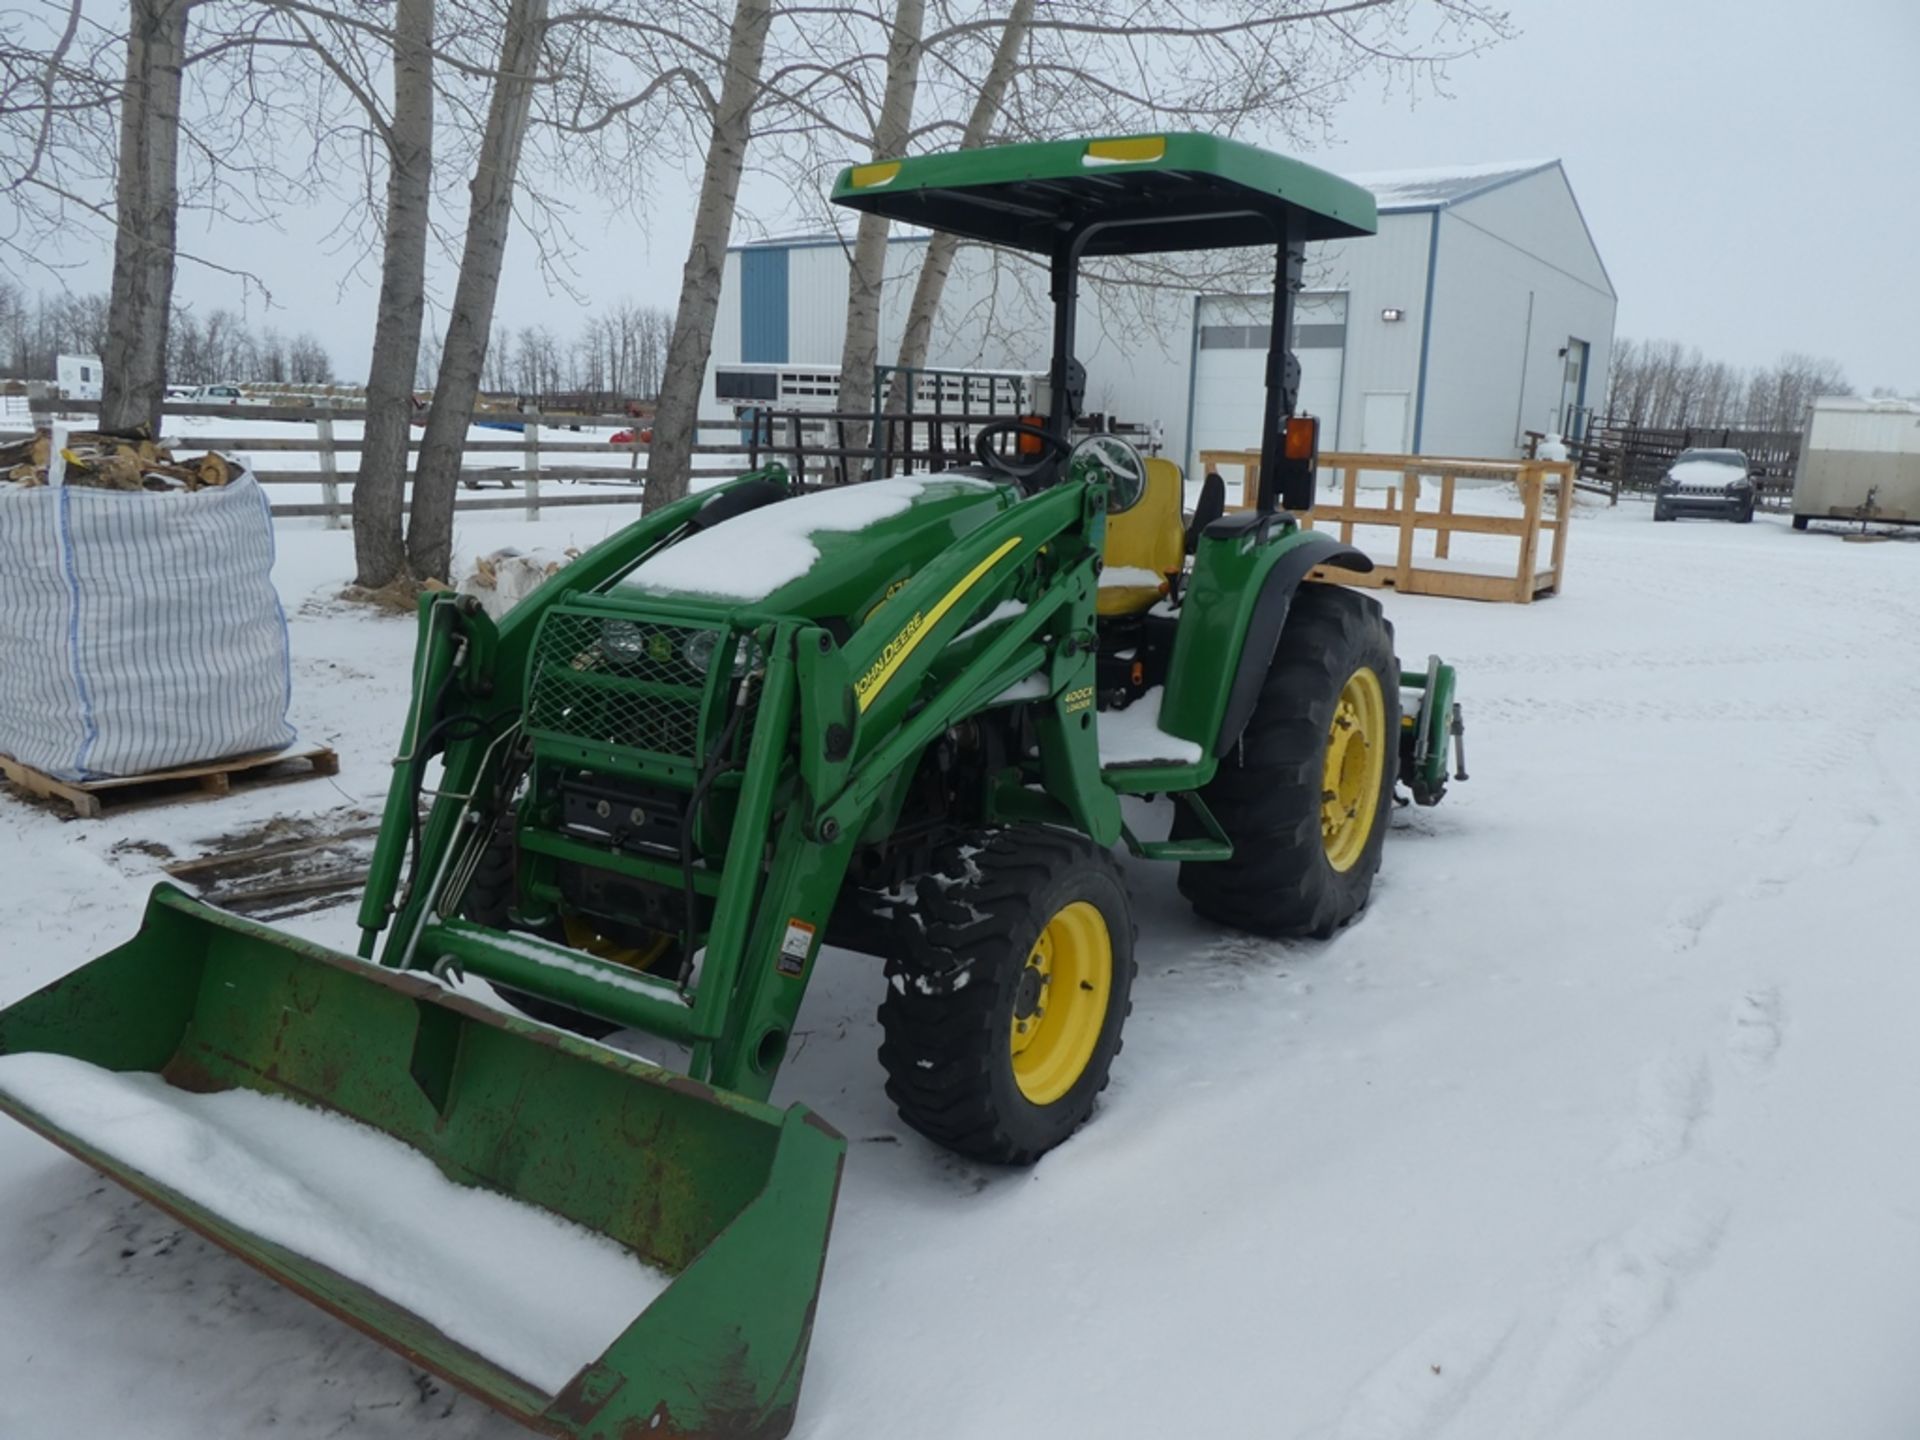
(541, 455)
(813, 444)
(1546, 506)
(1632, 459)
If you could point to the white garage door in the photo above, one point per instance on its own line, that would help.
(1230, 384)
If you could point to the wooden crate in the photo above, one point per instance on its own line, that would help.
(1546, 490)
(90, 798)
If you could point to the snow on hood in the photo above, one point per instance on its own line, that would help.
(1705, 472)
(752, 555)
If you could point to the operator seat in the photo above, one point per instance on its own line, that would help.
(1146, 542)
(1209, 508)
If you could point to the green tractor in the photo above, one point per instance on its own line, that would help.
(901, 716)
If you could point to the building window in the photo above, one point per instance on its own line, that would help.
(1235, 337)
(1258, 337)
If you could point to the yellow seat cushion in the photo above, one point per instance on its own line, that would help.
(1147, 539)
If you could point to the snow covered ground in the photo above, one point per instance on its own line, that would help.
(1598, 1124)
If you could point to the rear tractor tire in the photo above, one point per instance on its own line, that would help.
(1006, 993)
(489, 901)
(1306, 794)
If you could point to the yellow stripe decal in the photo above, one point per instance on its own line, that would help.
(914, 631)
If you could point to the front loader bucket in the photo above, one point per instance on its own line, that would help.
(595, 1246)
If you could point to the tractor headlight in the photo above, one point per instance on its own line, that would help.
(700, 645)
(623, 640)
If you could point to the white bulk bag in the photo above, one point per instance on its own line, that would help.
(139, 630)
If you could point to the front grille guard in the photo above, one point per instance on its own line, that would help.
(637, 688)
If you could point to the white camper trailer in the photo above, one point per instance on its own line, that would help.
(77, 377)
(1859, 461)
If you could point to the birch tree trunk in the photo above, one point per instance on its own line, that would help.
(146, 212)
(671, 456)
(379, 490)
(917, 336)
(860, 354)
(430, 528)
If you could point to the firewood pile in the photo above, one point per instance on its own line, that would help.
(109, 462)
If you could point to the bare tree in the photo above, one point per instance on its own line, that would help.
(146, 206)
(1111, 66)
(379, 490)
(674, 428)
(463, 353)
(1663, 385)
(497, 371)
(308, 362)
(867, 271)
(937, 263)
(427, 368)
(35, 330)
(60, 78)
(1779, 396)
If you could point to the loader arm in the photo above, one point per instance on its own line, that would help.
(882, 674)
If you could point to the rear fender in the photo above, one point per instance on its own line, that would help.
(1246, 570)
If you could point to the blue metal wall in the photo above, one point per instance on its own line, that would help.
(763, 306)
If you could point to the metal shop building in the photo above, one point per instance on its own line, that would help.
(1480, 311)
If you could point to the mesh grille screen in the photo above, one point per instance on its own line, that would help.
(619, 682)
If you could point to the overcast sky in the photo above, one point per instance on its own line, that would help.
(1748, 169)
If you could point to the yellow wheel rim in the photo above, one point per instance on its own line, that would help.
(1060, 1002)
(1356, 753)
(581, 935)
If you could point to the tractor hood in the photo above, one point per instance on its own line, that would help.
(830, 554)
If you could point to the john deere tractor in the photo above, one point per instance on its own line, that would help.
(902, 716)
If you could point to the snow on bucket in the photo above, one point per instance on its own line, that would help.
(595, 1246)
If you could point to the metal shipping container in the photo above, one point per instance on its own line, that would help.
(1860, 461)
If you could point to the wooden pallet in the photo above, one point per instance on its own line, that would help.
(90, 798)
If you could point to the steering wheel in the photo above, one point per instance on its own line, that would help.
(984, 452)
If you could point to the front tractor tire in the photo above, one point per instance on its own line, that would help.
(1006, 993)
(1306, 794)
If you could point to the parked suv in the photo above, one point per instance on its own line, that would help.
(1717, 484)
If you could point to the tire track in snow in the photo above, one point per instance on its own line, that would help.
(1755, 1028)
(1429, 1381)
(1517, 1372)
(1689, 917)
(1625, 1287)
(1537, 663)
(1675, 1095)
(1627, 709)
